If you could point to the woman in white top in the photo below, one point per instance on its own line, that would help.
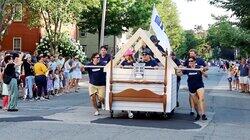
(67, 74)
(76, 73)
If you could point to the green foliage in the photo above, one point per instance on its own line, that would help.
(168, 12)
(7, 15)
(120, 13)
(66, 47)
(55, 14)
(240, 8)
(226, 35)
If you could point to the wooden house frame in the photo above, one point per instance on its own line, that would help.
(155, 93)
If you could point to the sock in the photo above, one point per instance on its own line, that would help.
(192, 109)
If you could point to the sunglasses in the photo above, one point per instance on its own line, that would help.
(97, 57)
(191, 61)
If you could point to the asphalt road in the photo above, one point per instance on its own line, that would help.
(70, 117)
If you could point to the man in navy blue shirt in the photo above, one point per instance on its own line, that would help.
(105, 57)
(243, 68)
(199, 62)
(97, 81)
(146, 58)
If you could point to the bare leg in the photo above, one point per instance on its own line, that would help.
(93, 98)
(201, 100)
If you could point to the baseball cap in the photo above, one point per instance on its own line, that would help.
(153, 38)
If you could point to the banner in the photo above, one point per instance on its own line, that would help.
(158, 28)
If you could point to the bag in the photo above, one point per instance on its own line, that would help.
(6, 79)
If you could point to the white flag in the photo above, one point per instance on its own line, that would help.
(158, 27)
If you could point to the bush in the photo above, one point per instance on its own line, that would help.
(66, 47)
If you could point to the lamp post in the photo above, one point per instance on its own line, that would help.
(103, 22)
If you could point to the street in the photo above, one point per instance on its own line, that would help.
(70, 117)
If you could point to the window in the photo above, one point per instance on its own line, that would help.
(18, 12)
(17, 41)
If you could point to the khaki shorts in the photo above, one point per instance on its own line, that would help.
(98, 90)
(243, 79)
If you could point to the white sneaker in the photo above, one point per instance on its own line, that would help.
(96, 113)
(103, 107)
(42, 98)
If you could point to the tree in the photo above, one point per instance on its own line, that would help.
(240, 8)
(120, 14)
(168, 12)
(189, 42)
(54, 15)
(227, 36)
(8, 11)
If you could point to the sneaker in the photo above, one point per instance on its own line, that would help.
(103, 107)
(96, 113)
(99, 105)
(204, 117)
(42, 98)
(191, 113)
(12, 110)
(37, 98)
(197, 117)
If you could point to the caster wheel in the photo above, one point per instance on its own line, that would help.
(165, 116)
(147, 114)
(130, 115)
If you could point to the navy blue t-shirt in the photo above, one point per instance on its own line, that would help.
(199, 62)
(243, 70)
(194, 78)
(96, 75)
(151, 63)
(126, 63)
(105, 59)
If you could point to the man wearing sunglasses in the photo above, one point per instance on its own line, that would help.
(147, 59)
(97, 81)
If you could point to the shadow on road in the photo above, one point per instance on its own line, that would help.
(25, 119)
(177, 122)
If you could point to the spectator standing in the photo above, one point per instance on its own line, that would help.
(243, 68)
(27, 68)
(40, 78)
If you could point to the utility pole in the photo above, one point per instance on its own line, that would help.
(103, 23)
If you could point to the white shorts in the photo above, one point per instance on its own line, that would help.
(244, 80)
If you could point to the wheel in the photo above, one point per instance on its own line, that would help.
(130, 115)
(147, 114)
(111, 114)
(165, 116)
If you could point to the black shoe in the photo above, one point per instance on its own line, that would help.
(12, 110)
(177, 104)
(191, 113)
(197, 117)
(1, 107)
(99, 105)
(204, 117)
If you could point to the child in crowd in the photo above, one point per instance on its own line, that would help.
(57, 81)
(50, 79)
(62, 80)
